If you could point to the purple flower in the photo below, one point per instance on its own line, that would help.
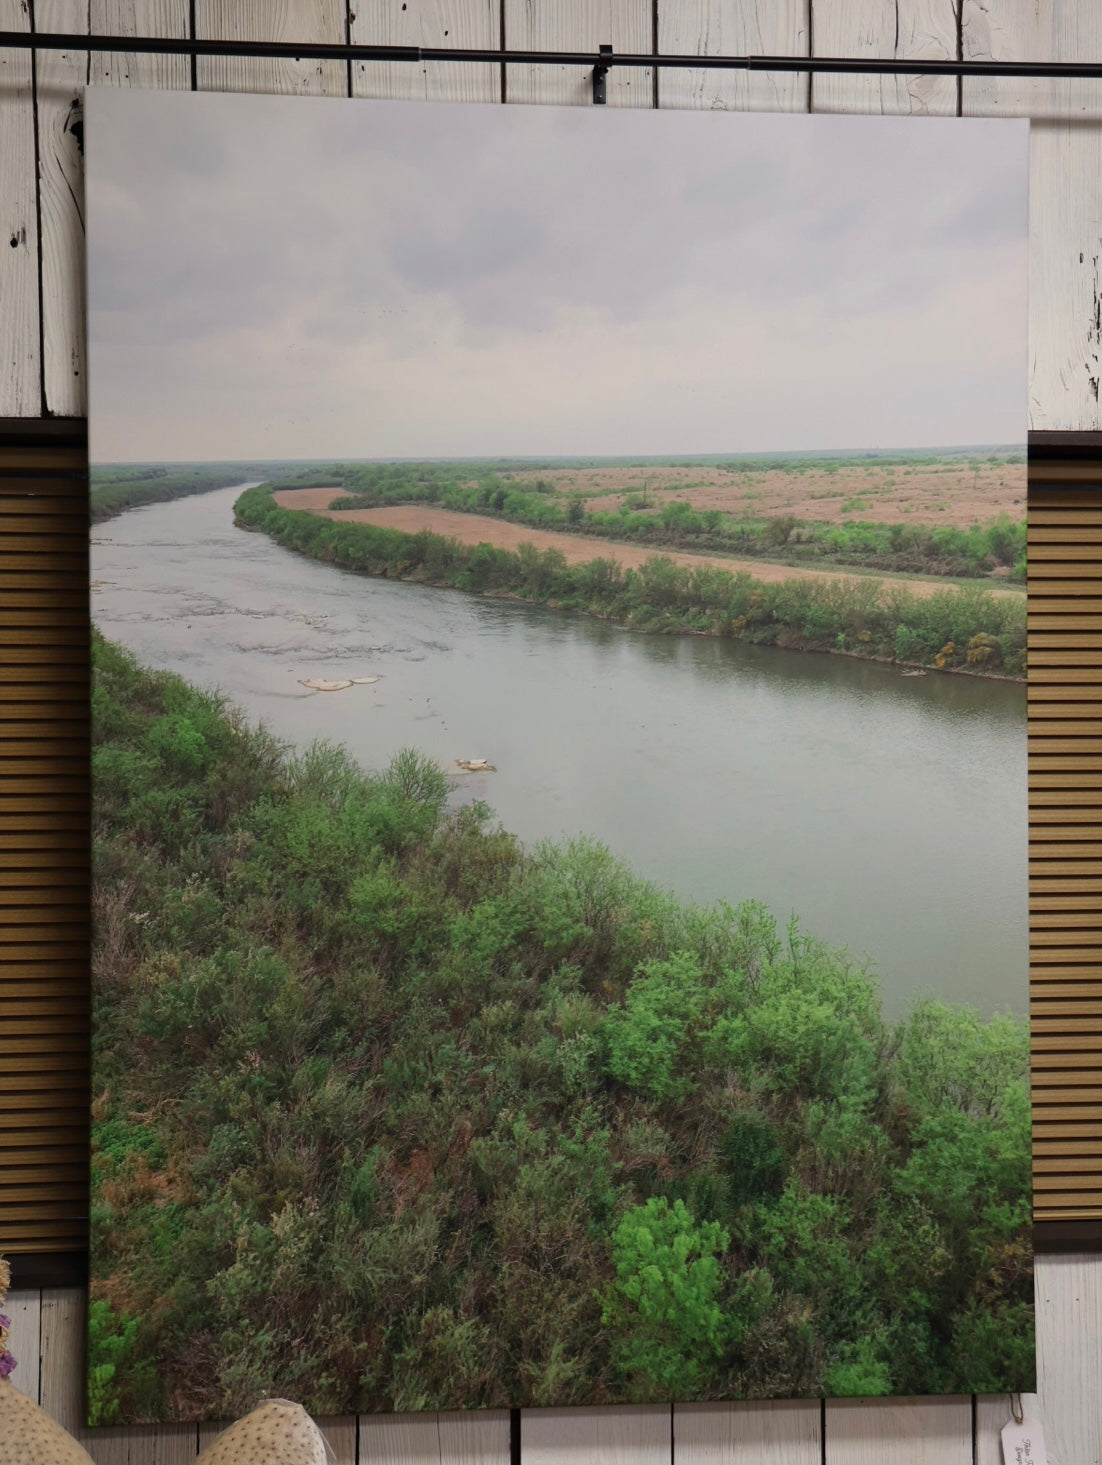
(7, 1364)
(5, 1322)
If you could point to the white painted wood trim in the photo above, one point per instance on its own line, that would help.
(748, 1434)
(20, 356)
(923, 30)
(899, 1432)
(718, 28)
(471, 24)
(25, 1340)
(272, 20)
(579, 25)
(60, 96)
(169, 18)
(615, 1436)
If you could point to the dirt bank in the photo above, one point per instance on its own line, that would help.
(576, 549)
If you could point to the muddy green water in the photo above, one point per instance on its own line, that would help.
(888, 812)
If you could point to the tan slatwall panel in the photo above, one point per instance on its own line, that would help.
(44, 1007)
(44, 849)
(1065, 839)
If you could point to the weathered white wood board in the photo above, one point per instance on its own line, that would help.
(62, 1394)
(1068, 1401)
(20, 386)
(435, 1439)
(468, 24)
(473, 1439)
(899, 1432)
(169, 18)
(60, 95)
(271, 20)
(921, 30)
(615, 1436)
(747, 1434)
(25, 1340)
(1065, 201)
(579, 25)
(718, 28)
(1025, 30)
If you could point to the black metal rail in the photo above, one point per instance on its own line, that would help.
(605, 58)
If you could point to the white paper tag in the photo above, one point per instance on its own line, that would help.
(1024, 1444)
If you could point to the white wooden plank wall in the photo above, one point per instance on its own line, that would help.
(42, 372)
(42, 366)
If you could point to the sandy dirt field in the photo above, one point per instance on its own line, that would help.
(576, 549)
(948, 492)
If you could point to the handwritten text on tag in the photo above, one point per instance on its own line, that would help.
(1024, 1444)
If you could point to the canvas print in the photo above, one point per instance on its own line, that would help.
(559, 756)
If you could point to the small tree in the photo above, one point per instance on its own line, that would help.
(664, 1303)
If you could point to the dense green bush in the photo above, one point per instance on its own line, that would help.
(390, 1112)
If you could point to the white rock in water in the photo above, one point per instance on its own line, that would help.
(316, 685)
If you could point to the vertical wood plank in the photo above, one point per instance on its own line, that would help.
(1022, 30)
(468, 24)
(340, 1436)
(1065, 276)
(718, 28)
(62, 1393)
(24, 1340)
(271, 20)
(920, 30)
(169, 18)
(61, 76)
(1065, 208)
(614, 1436)
(20, 388)
(400, 1439)
(747, 1434)
(904, 1432)
(62, 1388)
(476, 1438)
(163, 1444)
(1069, 1365)
(992, 1412)
(579, 25)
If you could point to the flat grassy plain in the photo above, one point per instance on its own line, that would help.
(958, 491)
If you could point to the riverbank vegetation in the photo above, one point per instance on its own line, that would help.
(740, 508)
(964, 628)
(115, 487)
(392, 1112)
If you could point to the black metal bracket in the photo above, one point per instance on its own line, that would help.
(600, 73)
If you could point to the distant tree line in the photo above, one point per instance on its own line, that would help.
(998, 546)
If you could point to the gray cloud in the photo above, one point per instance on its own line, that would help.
(298, 277)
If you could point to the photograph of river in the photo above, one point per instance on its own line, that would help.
(559, 757)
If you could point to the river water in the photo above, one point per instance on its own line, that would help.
(888, 812)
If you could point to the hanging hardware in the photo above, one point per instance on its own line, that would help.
(600, 75)
(334, 51)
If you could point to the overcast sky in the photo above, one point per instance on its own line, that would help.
(290, 277)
